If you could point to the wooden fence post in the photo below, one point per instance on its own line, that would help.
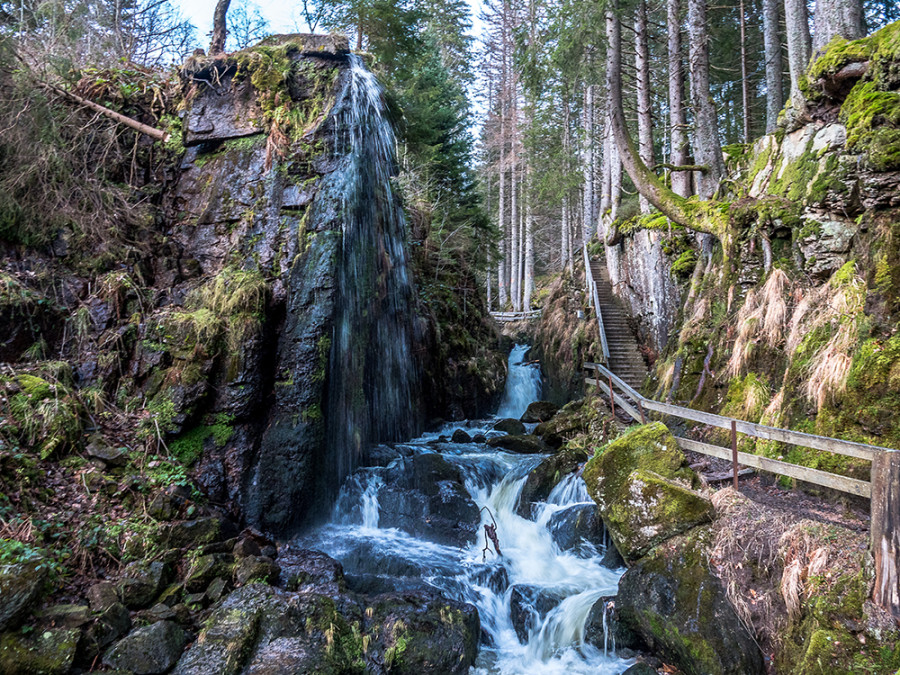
(734, 461)
(885, 530)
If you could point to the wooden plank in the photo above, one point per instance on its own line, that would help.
(620, 401)
(835, 445)
(885, 531)
(850, 485)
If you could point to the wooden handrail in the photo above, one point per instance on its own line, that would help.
(592, 291)
(882, 490)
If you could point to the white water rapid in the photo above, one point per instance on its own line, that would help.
(533, 600)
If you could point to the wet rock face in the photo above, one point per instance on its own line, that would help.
(529, 606)
(546, 476)
(425, 495)
(673, 601)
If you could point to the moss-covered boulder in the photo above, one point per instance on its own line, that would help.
(679, 608)
(143, 582)
(546, 476)
(652, 509)
(149, 650)
(650, 447)
(424, 634)
(20, 588)
(41, 652)
(641, 484)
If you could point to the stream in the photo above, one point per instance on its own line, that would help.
(409, 523)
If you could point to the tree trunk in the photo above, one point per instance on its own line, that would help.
(707, 146)
(587, 160)
(681, 180)
(772, 47)
(834, 18)
(515, 271)
(220, 31)
(644, 106)
(796, 21)
(528, 282)
(700, 217)
(745, 80)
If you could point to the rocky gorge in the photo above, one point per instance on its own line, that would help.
(266, 442)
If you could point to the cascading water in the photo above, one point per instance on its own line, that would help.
(555, 587)
(372, 373)
(523, 384)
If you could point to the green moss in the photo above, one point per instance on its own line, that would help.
(837, 54)
(872, 117)
(747, 398)
(47, 416)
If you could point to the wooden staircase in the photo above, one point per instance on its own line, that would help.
(625, 359)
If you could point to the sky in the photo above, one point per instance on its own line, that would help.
(283, 17)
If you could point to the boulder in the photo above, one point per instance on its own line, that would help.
(20, 588)
(149, 650)
(102, 595)
(545, 476)
(260, 629)
(425, 495)
(256, 567)
(142, 583)
(523, 445)
(65, 616)
(539, 411)
(46, 652)
(509, 425)
(604, 630)
(196, 533)
(577, 525)
(528, 605)
(113, 623)
(424, 634)
(641, 484)
(109, 455)
(303, 568)
(460, 436)
(652, 510)
(640, 669)
(679, 608)
(205, 568)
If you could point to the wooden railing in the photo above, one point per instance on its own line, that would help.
(516, 316)
(593, 299)
(883, 488)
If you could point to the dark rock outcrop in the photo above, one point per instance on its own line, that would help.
(546, 476)
(510, 426)
(525, 444)
(676, 604)
(539, 411)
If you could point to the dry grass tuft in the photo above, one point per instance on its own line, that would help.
(694, 325)
(762, 317)
(792, 587)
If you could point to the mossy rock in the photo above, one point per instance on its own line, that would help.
(680, 609)
(508, 425)
(41, 652)
(148, 650)
(20, 588)
(652, 510)
(650, 447)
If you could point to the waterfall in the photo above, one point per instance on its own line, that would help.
(523, 384)
(557, 587)
(372, 377)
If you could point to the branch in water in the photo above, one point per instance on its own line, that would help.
(490, 532)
